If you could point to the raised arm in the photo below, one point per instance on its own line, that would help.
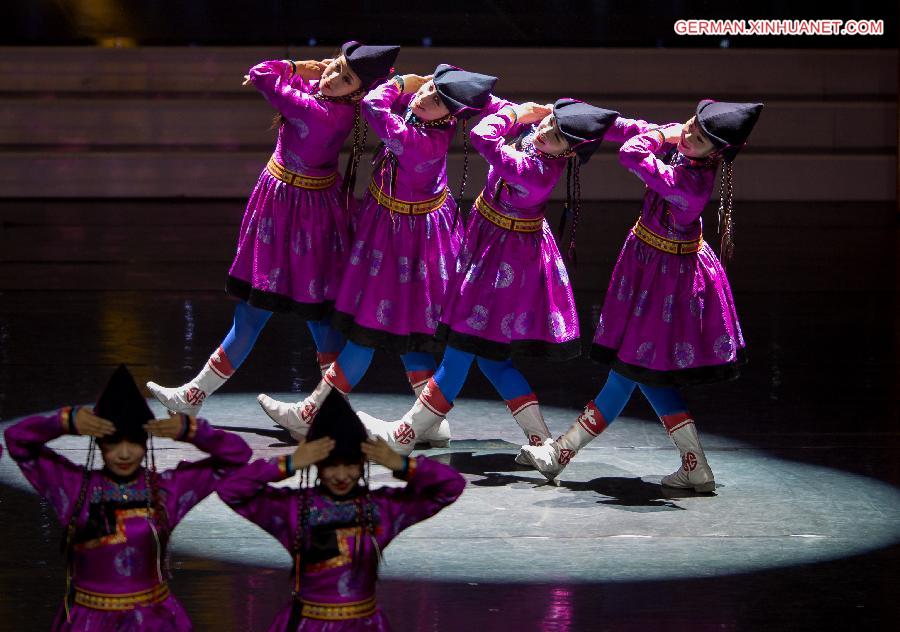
(488, 140)
(247, 491)
(192, 481)
(623, 129)
(53, 476)
(686, 190)
(389, 126)
(277, 83)
(430, 487)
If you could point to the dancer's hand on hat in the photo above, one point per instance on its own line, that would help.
(310, 452)
(246, 81)
(672, 133)
(378, 450)
(171, 427)
(531, 112)
(412, 82)
(311, 69)
(90, 425)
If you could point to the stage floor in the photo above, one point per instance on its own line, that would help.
(803, 532)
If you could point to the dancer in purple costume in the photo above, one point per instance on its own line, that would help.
(511, 294)
(294, 238)
(119, 519)
(406, 239)
(668, 319)
(336, 530)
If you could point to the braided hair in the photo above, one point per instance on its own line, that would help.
(157, 516)
(465, 173)
(68, 541)
(360, 132)
(572, 206)
(726, 209)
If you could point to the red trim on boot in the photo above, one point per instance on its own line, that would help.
(327, 358)
(591, 419)
(336, 378)
(220, 364)
(433, 399)
(676, 421)
(419, 378)
(519, 404)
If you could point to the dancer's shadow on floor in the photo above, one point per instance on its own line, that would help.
(630, 493)
(281, 435)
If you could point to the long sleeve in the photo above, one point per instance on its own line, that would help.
(431, 486)
(247, 492)
(624, 129)
(686, 190)
(488, 140)
(192, 481)
(391, 128)
(53, 476)
(274, 80)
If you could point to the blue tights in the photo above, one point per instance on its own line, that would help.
(611, 400)
(355, 360)
(454, 368)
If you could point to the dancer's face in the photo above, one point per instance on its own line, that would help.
(340, 478)
(427, 104)
(338, 79)
(123, 457)
(548, 138)
(693, 142)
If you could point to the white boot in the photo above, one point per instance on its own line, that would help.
(527, 413)
(188, 398)
(428, 411)
(437, 436)
(326, 359)
(296, 417)
(551, 457)
(694, 472)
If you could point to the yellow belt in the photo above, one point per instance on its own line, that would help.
(299, 180)
(338, 611)
(122, 601)
(407, 208)
(508, 222)
(659, 242)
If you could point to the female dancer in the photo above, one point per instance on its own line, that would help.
(511, 294)
(294, 235)
(336, 530)
(668, 319)
(119, 519)
(407, 236)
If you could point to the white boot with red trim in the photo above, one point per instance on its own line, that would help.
(551, 458)
(296, 417)
(326, 359)
(527, 413)
(437, 436)
(428, 411)
(188, 398)
(694, 472)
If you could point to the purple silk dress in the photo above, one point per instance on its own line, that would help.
(393, 289)
(511, 293)
(293, 240)
(116, 550)
(669, 319)
(338, 569)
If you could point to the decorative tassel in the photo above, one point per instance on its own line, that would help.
(360, 131)
(571, 255)
(726, 213)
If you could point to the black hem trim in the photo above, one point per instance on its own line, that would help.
(682, 377)
(378, 339)
(493, 350)
(272, 302)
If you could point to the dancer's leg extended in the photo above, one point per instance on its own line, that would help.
(188, 398)
(520, 399)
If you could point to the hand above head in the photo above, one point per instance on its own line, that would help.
(172, 427)
(672, 133)
(90, 425)
(530, 112)
(378, 451)
(310, 452)
(311, 68)
(412, 82)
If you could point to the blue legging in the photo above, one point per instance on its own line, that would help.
(355, 360)
(454, 368)
(249, 322)
(612, 398)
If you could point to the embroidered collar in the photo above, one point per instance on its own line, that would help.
(528, 147)
(441, 123)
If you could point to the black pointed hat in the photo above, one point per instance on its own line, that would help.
(336, 419)
(464, 93)
(370, 63)
(583, 125)
(728, 125)
(122, 403)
